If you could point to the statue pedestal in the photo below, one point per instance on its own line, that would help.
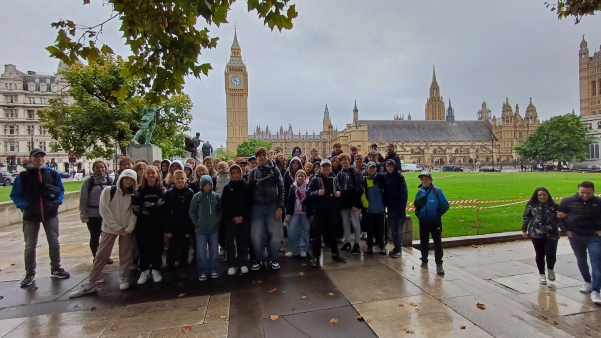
(148, 151)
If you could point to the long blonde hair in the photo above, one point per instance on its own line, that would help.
(140, 166)
(169, 178)
(200, 170)
(157, 181)
(212, 172)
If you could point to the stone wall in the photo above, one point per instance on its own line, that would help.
(9, 214)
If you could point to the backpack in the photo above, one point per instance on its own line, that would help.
(422, 201)
(91, 183)
(113, 192)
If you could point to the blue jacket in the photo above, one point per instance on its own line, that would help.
(27, 193)
(372, 198)
(205, 209)
(436, 206)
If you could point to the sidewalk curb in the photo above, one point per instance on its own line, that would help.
(452, 242)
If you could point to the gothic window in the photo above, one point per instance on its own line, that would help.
(456, 151)
(594, 88)
(412, 151)
(434, 152)
(419, 161)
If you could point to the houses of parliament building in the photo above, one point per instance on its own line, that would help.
(440, 139)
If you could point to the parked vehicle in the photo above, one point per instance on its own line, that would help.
(451, 168)
(65, 174)
(13, 177)
(590, 168)
(412, 167)
(489, 169)
(5, 178)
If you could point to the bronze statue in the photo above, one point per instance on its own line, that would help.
(148, 125)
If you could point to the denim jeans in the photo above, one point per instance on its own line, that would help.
(31, 229)
(580, 244)
(206, 266)
(396, 222)
(298, 233)
(265, 232)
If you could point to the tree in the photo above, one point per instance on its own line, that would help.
(562, 138)
(247, 148)
(225, 155)
(162, 37)
(576, 8)
(107, 109)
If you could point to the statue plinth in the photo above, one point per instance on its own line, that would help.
(148, 151)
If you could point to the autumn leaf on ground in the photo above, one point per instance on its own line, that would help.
(330, 294)
(401, 305)
(474, 246)
(100, 281)
(360, 318)
(12, 264)
(114, 328)
(222, 317)
(554, 323)
(481, 306)
(33, 288)
(181, 295)
(33, 302)
(412, 304)
(218, 304)
(409, 331)
(304, 297)
(413, 267)
(93, 308)
(186, 329)
(302, 273)
(462, 327)
(375, 299)
(79, 305)
(368, 321)
(273, 317)
(333, 320)
(272, 291)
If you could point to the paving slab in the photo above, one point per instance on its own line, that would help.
(573, 293)
(382, 282)
(71, 324)
(42, 290)
(556, 303)
(7, 325)
(514, 268)
(352, 261)
(245, 315)
(317, 323)
(281, 296)
(280, 327)
(211, 330)
(423, 315)
(218, 309)
(528, 283)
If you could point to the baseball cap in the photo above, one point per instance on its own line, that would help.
(424, 173)
(35, 151)
(325, 162)
(371, 164)
(252, 158)
(373, 145)
(241, 161)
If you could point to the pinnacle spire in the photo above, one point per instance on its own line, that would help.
(433, 73)
(326, 113)
(355, 106)
(235, 43)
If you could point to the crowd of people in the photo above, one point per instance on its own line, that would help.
(241, 211)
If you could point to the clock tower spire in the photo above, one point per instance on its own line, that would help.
(236, 93)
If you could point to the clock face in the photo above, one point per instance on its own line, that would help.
(236, 81)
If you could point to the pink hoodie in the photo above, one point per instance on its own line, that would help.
(302, 191)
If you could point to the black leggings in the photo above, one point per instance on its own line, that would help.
(95, 228)
(374, 226)
(425, 230)
(545, 247)
(325, 225)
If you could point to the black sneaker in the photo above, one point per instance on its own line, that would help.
(394, 253)
(337, 258)
(346, 247)
(315, 262)
(383, 251)
(27, 280)
(60, 273)
(424, 266)
(274, 265)
(356, 249)
(370, 250)
(257, 265)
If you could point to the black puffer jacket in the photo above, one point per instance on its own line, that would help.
(175, 211)
(328, 202)
(267, 185)
(583, 217)
(235, 200)
(351, 188)
(543, 221)
(395, 190)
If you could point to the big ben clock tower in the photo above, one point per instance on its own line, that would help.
(236, 92)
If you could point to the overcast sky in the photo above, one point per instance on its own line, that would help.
(379, 53)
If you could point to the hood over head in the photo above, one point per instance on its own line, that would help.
(295, 149)
(234, 166)
(393, 163)
(181, 164)
(128, 173)
(297, 159)
(189, 166)
(204, 179)
(165, 161)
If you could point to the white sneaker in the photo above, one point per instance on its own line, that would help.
(84, 290)
(586, 288)
(542, 279)
(244, 269)
(143, 277)
(231, 271)
(156, 276)
(303, 254)
(596, 297)
(551, 274)
(123, 284)
(289, 254)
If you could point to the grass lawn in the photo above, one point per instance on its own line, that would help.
(494, 186)
(69, 186)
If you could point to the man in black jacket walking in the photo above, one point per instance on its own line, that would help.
(582, 213)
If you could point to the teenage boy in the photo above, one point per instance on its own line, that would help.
(353, 154)
(38, 192)
(430, 205)
(267, 195)
(324, 191)
(373, 202)
(177, 223)
(124, 163)
(395, 200)
(351, 190)
(314, 155)
(337, 150)
(236, 216)
(359, 165)
(392, 155)
(582, 213)
(379, 158)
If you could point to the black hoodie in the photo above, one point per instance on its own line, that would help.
(395, 190)
(328, 202)
(175, 211)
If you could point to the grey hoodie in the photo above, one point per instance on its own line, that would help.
(89, 201)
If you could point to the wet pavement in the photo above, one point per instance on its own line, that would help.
(369, 296)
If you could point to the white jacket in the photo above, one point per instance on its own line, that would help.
(117, 214)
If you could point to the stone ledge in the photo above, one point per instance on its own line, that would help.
(451, 242)
(9, 214)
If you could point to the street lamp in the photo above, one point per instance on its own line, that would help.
(492, 149)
